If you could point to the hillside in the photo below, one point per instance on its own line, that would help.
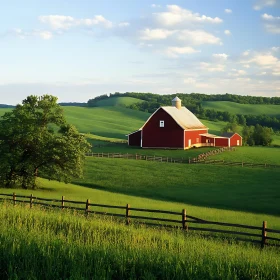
(118, 101)
(244, 109)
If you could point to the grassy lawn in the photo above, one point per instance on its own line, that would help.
(263, 155)
(246, 109)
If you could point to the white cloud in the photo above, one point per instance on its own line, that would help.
(270, 17)
(228, 11)
(155, 34)
(238, 73)
(198, 37)
(220, 56)
(272, 24)
(246, 66)
(65, 22)
(264, 59)
(176, 51)
(212, 67)
(262, 73)
(227, 32)
(263, 3)
(275, 49)
(246, 53)
(176, 15)
(46, 35)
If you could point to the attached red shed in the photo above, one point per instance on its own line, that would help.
(234, 138)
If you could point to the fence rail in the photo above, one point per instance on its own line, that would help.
(258, 236)
(198, 160)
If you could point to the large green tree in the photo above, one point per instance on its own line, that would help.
(35, 140)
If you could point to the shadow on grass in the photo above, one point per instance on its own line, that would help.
(191, 199)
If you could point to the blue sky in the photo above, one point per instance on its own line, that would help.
(78, 49)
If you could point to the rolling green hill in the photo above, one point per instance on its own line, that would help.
(113, 122)
(245, 109)
(118, 101)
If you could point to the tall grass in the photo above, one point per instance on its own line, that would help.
(37, 244)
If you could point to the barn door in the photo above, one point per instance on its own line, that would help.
(190, 142)
(238, 143)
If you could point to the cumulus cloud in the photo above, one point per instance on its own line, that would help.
(198, 37)
(228, 11)
(212, 67)
(176, 51)
(176, 15)
(227, 32)
(222, 56)
(155, 34)
(65, 22)
(272, 23)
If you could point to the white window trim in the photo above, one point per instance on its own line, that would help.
(161, 123)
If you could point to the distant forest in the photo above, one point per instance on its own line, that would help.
(193, 102)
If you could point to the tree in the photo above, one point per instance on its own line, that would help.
(230, 127)
(35, 140)
(262, 135)
(247, 134)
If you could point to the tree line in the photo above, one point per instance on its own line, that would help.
(193, 101)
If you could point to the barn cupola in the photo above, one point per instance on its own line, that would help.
(176, 102)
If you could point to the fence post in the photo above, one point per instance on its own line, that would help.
(87, 207)
(31, 200)
(242, 164)
(127, 214)
(184, 220)
(189, 160)
(62, 202)
(136, 156)
(264, 227)
(14, 198)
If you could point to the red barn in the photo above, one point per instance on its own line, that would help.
(175, 127)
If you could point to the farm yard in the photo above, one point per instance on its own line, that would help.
(229, 194)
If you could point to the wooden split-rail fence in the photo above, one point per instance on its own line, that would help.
(197, 160)
(255, 234)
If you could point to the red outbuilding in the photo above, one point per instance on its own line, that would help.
(175, 127)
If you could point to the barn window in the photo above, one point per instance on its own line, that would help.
(161, 123)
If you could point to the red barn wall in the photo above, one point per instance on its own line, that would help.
(221, 142)
(169, 136)
(194, 136)
(134, 139)
(234, 140)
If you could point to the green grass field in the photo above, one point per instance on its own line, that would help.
(263, 155)
(37, 244)
(245, 109)
(118, 101)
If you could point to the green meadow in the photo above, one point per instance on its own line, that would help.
(269, 155)
(245, 109)
(38, 244)
(104, 248)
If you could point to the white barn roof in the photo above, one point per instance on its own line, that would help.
(183, 117)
